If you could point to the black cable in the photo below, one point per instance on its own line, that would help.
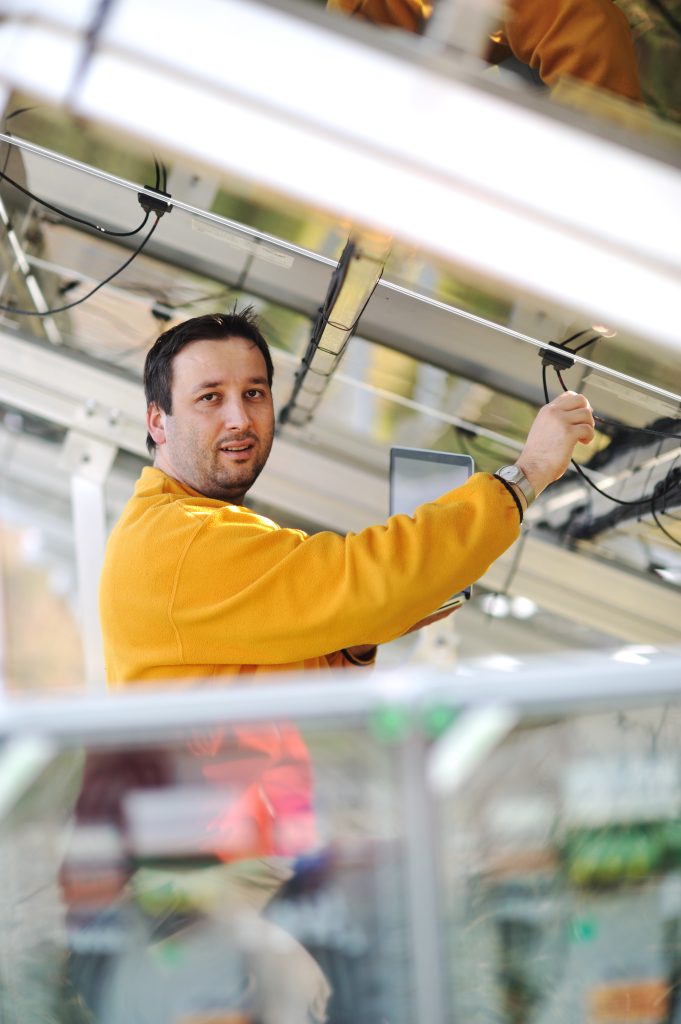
(677, 519)
(638, 430)
(22, 110)
(660, 526)
(77, 302)
(641, 501)
(161, 175)
(563, 344)
(667, 15)
(580, 471)
(585, 344)
(620, 426)
(72, 216)
(619, 501)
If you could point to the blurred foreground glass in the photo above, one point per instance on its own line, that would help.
(561, 862)
(204, 879)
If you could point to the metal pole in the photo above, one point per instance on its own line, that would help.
(422, 878)
(89, 462)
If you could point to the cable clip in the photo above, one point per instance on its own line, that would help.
(150, 204)
(555, 356)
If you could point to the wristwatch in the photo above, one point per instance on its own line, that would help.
(515, 475)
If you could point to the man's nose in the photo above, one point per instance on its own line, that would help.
(235, 414)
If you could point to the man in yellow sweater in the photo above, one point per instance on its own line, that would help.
(197, 586)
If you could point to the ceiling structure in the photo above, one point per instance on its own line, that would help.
(487, 262)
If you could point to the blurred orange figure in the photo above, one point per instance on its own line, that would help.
(589, 40)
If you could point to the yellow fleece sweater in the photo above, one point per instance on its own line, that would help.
(193, 588)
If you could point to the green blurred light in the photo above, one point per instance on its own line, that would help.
(437, 719)
(583, 929)
(390, 725)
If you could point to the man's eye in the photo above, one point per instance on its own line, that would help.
(209, 397)
(254, 393)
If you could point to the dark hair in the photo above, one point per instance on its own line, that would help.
(158, 366)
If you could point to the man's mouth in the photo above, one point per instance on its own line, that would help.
(237, 448)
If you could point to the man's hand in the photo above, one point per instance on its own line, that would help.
(558, 427)
(364, 650)
(361, 651)
(430, 619)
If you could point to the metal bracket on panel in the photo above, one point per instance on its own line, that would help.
(352, 284)
(105, 420)
(86, 457)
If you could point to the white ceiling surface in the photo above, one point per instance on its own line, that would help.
(554, 228)
(546, 222)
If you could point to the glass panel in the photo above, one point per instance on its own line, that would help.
(233, 873)
(561, 868)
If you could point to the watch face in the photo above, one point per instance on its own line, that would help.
(516, 476)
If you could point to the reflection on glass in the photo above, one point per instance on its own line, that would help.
(561, 863)
(207, 880)
(40, 646)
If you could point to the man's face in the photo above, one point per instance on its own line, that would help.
(220, 432)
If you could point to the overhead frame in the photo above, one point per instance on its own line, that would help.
(244, 258)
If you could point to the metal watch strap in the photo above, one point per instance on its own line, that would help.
(514, 475)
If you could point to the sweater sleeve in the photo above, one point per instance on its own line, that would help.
(252, 593)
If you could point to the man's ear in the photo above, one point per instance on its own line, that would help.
(156, 423)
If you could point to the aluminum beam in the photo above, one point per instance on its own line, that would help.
(403, 319)
(579, 685)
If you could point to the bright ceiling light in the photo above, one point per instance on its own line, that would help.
(496, 605)
(634, 654)
(523, 607)
(670, 575)
(501, 663)
(607, 332)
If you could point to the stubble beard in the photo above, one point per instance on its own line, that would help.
(231, 484)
